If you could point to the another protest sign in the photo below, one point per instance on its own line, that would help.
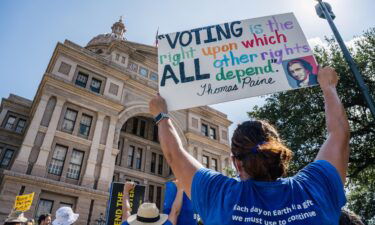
(234, 60)
(23, 202)
(115, 204)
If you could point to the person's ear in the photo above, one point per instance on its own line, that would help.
(238, 165)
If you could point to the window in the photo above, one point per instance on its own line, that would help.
(44, 207)
(151, 193)
(158, 197)
(212, 133)
(57, 162)
(205, 161)
(138, 159)
(143, 71)
(20, 125)
(139, 127)
(214, 164)
(117, 57)
(7, 158)
(69, 120)
(155, 136)
(123, 59)
(142, 131)
(160, 166)
(154, 76)
(130, 156)
(133, 67)
(135, 125)
(75, 165)
(204, 129)
(85, 124)
(64, 68)
(95, 85)
(153, 162)
(10, 122)
(82, 79)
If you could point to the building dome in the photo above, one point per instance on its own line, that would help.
(118, 31)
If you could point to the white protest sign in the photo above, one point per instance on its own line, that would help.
(234, 60)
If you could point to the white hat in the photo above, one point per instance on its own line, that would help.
(65, 216)
(147, 213)
(16, 217)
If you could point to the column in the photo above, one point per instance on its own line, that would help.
(2, 115)
(199, 154)
(21, 162)
(40, 166)
(37, 190)
(88, 177)
(107, 165)
(83, 209)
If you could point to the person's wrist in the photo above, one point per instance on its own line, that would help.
(328, 88)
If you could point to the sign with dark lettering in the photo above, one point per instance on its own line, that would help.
(234, 60)
(115, 203)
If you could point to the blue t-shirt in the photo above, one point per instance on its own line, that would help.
(166, 223)
(187, 215)
(314, 195)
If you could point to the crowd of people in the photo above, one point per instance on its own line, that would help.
(63, 216)
(261, 194)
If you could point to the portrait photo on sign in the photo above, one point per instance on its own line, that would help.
(301, 72)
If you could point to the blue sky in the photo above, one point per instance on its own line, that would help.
(30, 30)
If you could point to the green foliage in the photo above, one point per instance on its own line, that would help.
(300, 119)
(230, 171)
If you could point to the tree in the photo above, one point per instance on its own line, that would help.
(299, 117)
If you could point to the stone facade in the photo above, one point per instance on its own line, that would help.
(89, 125)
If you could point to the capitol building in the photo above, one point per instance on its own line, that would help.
(89, 125)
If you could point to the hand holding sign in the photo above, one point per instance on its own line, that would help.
(327, 78)
(158, 105)
(128, 187)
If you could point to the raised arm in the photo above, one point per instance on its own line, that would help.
(336, 148)
(126, 204)
(177, 204)
(183, 164)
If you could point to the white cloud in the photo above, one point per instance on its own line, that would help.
(316, 41)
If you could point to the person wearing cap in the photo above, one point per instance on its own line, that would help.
(16, 218)
(314, 195)
(65, 216)
(148, 213)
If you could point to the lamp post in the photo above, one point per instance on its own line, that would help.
(324, 11)
(100, 221)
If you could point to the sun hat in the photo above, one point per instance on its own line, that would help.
(149, 214)
(16, 217)
(65, 216)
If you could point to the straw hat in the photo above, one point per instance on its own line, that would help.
(16, 217)
(147, 213)
(65, 216)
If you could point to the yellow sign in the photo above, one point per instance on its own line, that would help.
(23, 202)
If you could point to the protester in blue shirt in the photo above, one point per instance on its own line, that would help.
(314, 195)
(148, 213)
